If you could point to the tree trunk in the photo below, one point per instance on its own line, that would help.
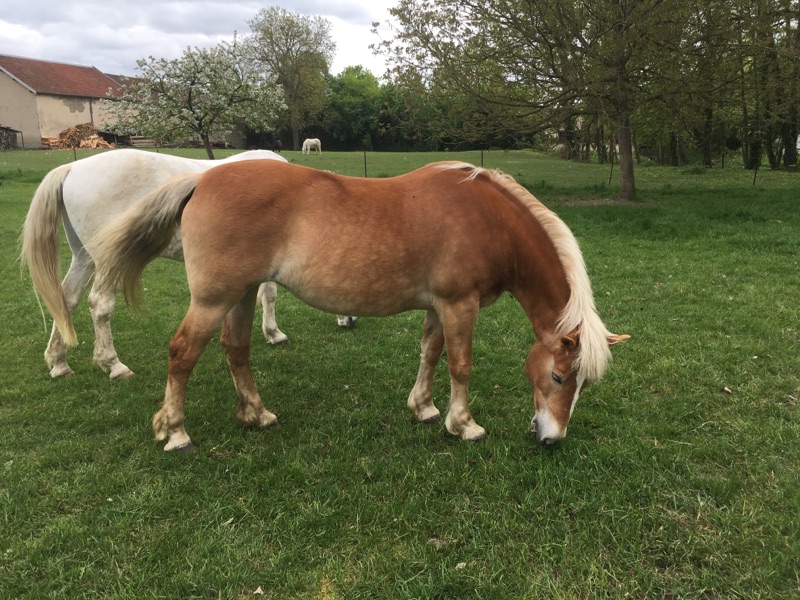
(627, 186)
(674, 161)
(295, 137)
(773, 155)
(708, 126)
(207, 146)
(789, 135)
(602, 150)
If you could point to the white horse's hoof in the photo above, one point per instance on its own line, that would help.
(61, 371)
(277, 339)
(126, 373)
(346, 321)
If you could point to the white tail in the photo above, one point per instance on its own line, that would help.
(40, 241)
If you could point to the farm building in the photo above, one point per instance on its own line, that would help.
(41, 98)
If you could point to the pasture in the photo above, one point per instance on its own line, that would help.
(679, 476)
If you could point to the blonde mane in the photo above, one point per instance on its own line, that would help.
(580, 312)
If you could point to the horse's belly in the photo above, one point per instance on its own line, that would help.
(357, 294)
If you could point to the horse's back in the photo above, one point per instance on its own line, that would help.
(100, 187)
(347, 244)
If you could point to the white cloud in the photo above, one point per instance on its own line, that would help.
(112, 34)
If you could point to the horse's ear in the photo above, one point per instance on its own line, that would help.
(616, 339)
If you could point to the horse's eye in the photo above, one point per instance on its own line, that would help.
(558, 379)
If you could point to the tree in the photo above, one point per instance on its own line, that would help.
(205, 93)
(545, 62)
(295, 50)
(350, 118)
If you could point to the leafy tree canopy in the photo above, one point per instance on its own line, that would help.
(205, 93)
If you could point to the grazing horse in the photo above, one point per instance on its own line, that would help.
(86, 195)
(312, 144)
(447, 239)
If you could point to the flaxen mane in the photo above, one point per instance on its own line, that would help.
(580, 312)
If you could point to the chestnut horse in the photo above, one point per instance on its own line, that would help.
(448, 239)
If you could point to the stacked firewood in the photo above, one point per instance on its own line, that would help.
(82, 136)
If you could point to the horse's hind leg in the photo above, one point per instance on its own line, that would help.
(101, 303)
(73, 286)
(420, 400)
(268, 295)
(185, 348)
(235, 342)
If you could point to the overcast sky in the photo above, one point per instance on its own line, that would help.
(112, 34)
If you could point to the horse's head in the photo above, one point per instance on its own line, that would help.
(552, 367)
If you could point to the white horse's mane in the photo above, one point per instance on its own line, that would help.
(580, 312)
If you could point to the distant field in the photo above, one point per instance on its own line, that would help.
(679, 478)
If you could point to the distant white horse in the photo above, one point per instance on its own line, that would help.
(312, 144)
(87, 195)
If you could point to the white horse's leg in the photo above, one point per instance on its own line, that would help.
(74, 284)
(267, 295)
(458, 321)
(420, 400)
(101, 303)
(235, 342)
(346, 321)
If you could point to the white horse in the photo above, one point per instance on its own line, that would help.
(86, 195)
(312, 144)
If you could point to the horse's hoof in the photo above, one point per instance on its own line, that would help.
(475, 433)
(126, 374)
(432, 420)
(61, 372)
(189, 448)
(277, 340)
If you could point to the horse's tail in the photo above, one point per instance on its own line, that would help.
(130, 242)
(39, 249)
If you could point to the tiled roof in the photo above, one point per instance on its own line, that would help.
(46, 77)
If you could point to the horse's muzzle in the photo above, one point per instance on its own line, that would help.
(542, 437)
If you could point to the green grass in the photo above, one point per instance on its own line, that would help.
(679, 478)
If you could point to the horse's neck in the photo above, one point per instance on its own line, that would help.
(541, 287)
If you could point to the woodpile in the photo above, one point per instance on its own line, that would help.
(143, 142)
(82, 136)
(95, 141)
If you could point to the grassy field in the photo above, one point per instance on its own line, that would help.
(679, 478)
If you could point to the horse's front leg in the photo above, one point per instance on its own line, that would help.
(420, 400)
(101, 304)
(458, 320)
(235, 342)
(268, 295)
(185, 349)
